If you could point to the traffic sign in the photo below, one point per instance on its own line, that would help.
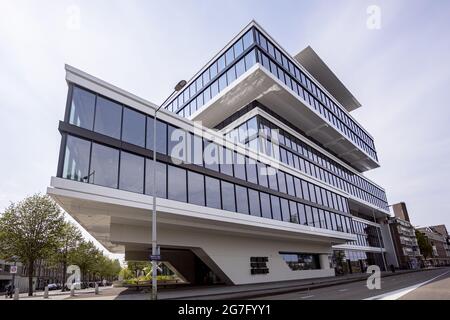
(155, 257)
(13, 269)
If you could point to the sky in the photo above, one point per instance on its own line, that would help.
(394, 60)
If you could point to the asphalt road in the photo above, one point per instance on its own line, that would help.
(431, 284)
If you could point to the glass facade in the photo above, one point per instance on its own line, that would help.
(285, 69)
(367, 235)
(221, 73)
(241, 185)
(217, 76)
(270, 139)
(356, 261)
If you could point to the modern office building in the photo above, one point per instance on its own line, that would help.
(260, 169)
(404, 239)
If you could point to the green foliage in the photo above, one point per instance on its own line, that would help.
(34, 229)
(126, 274)
(137, 267)
(425, 247)
(30, 230)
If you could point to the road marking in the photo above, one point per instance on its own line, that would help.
(343, 290)
(306, 297)
(397, 294)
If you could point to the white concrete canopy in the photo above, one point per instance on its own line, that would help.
(311, 61)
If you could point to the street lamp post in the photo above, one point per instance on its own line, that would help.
(177, 88)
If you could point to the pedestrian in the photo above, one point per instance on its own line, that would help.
(392, 268)
(7, 288)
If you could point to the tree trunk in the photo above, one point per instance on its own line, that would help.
(64, 275)
(30, 278)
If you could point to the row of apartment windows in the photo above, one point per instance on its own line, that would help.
(297, 153)
(98, 164)
(299, 82)
(107, 117)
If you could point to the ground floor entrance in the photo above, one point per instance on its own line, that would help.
(355, 261)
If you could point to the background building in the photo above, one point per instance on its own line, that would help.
(269, 187)
(404, 238)
(44, 273)
(437, 237)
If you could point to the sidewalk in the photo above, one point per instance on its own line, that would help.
(58, 294)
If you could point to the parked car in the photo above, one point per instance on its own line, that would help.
(53, 286)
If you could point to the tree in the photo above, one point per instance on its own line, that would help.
(85, 257)
(30, 231)
(137, 267)
(425, 247)
(67, 244)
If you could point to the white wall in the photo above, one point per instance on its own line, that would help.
(231, 253)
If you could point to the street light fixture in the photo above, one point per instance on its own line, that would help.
(180, 85)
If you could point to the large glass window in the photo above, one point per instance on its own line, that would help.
(161, 179)
(262, 175)
(286, 215)
(131, 172)
(133, 127)
(104, 166)
(252, 175)
(272, 176)
(265, 205)
(108, 118)
(226, 161)
(177, 145)
(176, 184)
(212, 192)
(276, 210)
(211, 155)
(161, 135)
(281, 181)
(253, 199)
(76, 159)
(196, 188)
(294, 212)
(228, 198)
(82, 108)
(248, 39)
(301, 261)
(242, 200)
(302, 214)
(239, 166)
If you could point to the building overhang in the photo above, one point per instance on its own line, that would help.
(366, 209)
(259, 84)
(309, 59)
(96, 208)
